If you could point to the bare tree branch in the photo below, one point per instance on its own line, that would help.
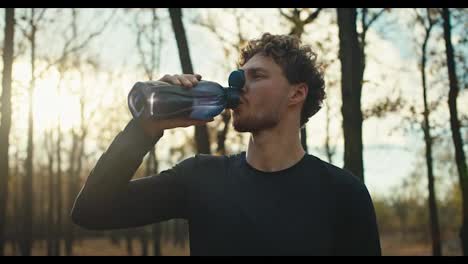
(374, 18)
(66, 51)
(290, 18)
(312, 16)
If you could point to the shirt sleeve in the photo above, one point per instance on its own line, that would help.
(357, 228)
(109, 198)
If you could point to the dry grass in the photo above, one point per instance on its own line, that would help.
(392, 245)
(104, 247)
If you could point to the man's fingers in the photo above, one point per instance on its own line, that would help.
(194, 80)
(174, 80)
(185, 82)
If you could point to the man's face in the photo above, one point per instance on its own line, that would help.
(265, 95)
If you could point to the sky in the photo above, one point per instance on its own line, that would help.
(388, 159)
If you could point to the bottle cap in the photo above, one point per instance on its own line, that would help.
(237, 79)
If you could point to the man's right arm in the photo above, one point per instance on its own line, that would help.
(110, 199)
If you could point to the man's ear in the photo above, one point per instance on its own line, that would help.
(298, 93)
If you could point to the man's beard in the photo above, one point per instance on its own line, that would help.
(256, 122)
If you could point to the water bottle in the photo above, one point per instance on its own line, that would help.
(161, 100)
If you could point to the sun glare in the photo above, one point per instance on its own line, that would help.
(49, 105)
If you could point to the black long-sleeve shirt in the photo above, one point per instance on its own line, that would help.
(311, 208)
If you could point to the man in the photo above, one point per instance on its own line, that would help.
(272, 199)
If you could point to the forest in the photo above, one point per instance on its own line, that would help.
(395, 114)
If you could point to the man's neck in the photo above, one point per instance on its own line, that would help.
(274, 149)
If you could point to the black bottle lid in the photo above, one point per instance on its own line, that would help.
(236, 83)
(237, 79)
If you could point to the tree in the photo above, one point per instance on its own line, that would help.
(69, 59)
(297, 30)
(229, 62)
(73, 44)
(455, 127)
(329, 149)
(49, 148)
(352, 57)
(77, 151)
(352, 61)
(16, 201)
(26, 238)
(5, 124)
(428, 25)
(147, 35)
(201, 132)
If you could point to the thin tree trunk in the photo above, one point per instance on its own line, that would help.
(455, 125)
(352, 61)
(5, 125)
(328, 149)
(201, 132)
(150, 162)
(68, 235)
(74, 183)
(27, 242)
(58, 186)
(156, 232)
(43, 205)
(129, 240)
(221, 137)
(50, 209)
(156, 228)
(434, 219)
(144, 242)
(298, 30)
(152, 168)
(16, 205)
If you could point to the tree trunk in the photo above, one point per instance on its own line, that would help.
(151, 164)
(58, 187)
(42, 184)
(221, 136)
(201, 132)
(26, 244)
(156, 232)
(16, 205)
(328, 148)
(5, 125)
(129, 240)
(51, 196)
(298, 30)
(152, 168)
(73, 187)
(144, 242)
(304, 139)
(455, 125)
(352, 60)
(68, 235)
(434, 219)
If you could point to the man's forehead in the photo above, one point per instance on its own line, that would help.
(254, 69)
(258, 63)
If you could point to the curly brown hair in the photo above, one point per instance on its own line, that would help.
(298, 62)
